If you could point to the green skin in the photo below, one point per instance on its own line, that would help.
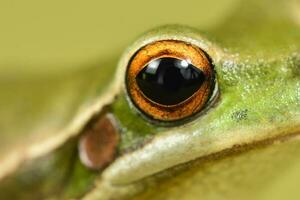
(245, 139)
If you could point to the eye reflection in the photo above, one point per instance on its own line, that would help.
(153, 66)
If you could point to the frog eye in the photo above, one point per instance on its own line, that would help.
(170, 80)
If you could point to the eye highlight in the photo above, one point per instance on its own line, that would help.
(169, 80)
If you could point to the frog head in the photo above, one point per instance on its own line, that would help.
(243, 133)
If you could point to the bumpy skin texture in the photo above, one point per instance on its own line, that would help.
(252, 128)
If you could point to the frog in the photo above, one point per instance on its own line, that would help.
(242, 144)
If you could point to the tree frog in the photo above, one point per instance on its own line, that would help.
(187, 113)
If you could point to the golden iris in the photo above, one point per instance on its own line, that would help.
(170, 80)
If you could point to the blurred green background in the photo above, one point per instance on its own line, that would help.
(67, 34)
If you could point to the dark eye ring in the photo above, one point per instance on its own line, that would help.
(170, 80)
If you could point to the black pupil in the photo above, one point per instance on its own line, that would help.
(169, 81)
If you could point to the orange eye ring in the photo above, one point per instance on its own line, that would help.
(169, 49)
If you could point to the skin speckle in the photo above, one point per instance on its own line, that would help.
(240, 115)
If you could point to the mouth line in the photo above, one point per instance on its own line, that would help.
(137, 186)
(235, 150)
(177, 149)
